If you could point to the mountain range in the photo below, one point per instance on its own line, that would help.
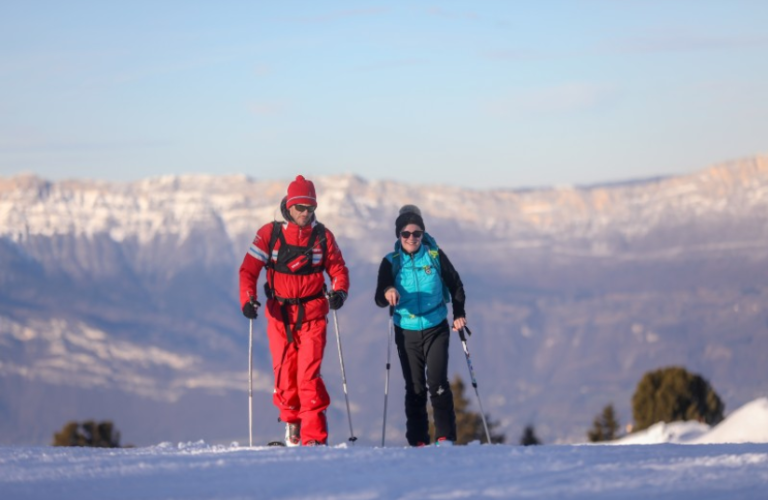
(119, 300)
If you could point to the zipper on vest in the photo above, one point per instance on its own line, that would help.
(418, 290)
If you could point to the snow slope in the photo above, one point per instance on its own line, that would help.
(198, 471)
(201, 471)
(748, 424)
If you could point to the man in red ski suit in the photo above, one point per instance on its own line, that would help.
(295, 253)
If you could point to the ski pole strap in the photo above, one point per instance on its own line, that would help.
(391, 311)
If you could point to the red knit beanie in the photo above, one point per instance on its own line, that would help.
(301, 192)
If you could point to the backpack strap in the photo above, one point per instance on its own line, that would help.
(319, 231)
(435, 256)
(269, 285)
(277, 232)
(396, 265)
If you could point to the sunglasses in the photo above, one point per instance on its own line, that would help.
(304, 208)
(407, 234)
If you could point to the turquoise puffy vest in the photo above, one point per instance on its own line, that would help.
(423, 295)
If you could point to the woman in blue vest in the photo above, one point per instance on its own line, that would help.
(418, 280)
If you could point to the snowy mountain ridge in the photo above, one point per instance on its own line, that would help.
(75, 353)
(597, 220)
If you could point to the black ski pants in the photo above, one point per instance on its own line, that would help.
(421, 350)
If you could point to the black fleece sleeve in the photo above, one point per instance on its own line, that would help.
(384, 281)
(452, 280)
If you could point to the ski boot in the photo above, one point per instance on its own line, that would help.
(293, 434)
(314, 443)
(443, 442)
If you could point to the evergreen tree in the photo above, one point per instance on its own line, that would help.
(529, 437)
(68, 435)
(469, 424)
(672, 394)
(89, 433)
(605, 427)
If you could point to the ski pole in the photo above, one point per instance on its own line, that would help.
(386, 380)
(352, 437)
(255, 303)
(474, 381)
(250, 385)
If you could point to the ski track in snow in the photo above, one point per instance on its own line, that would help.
(199, 471)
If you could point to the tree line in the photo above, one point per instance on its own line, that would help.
(664, 395)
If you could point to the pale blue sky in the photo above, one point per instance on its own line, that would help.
(468, 93)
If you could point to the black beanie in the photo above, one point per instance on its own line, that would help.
(409, 214)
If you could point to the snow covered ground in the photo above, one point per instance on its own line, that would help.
(660, 470)
(200, 471)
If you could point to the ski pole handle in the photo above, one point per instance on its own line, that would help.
(461, 334)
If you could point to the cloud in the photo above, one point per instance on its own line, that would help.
(16, 139)
(20, 138)
(560, 99)
(59, 65)
(515, 55)
(440, 12)
(662, 42)
(676, 42)
(171, 65)
(262, 70)
(39, 144)
(387, 65)
(340, 15)
(267, 108)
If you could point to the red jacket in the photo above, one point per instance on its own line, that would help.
(293, 286)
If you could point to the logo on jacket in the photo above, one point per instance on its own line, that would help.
(298, 262)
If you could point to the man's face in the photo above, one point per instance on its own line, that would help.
(301, 214)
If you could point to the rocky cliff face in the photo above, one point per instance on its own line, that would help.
(119, 300)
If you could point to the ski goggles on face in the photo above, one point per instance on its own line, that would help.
(304, 208)
(407, 234)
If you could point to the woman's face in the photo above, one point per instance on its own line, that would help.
(412, 242)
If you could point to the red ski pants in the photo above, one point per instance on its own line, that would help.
(299, 392)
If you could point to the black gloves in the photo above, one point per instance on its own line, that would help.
(336, 299)
(251, 309)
